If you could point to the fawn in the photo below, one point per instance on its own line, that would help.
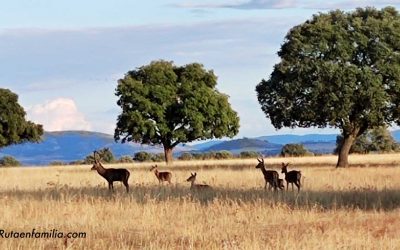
(161, 176)
(194, 186)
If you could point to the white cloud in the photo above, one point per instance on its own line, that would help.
(58, 114)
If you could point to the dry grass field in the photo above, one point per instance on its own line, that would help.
(354, 208)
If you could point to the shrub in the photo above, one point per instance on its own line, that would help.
(294, 150)
(142, 156)
(223, 154)
(158, 157)
(125, 159)
(249, 154)
(57, 163)
(9, 161)
(186, 156)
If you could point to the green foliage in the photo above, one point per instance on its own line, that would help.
(9, 161)
(294, 150)
(158, 157)
(223, 154)
(125, 159)
(14, 129)
(142, 156)
(104, 154)
(249, 154)
(376, 140)
(165, 104)
(338, 69)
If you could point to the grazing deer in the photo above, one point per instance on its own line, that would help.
(293, 176)
(161, 176)
(271, 177)
(111, 174)
(194, 186)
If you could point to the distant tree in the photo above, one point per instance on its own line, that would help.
(166, 104)
(125, 159)
(249, 154)
(377, 140)
(186, 156)
(105, 155)
(294, 150)
(142, 156)
(159, 157)
(223, 154)
(338, 69)
(382, 140)
(9, 161)
(14, 129)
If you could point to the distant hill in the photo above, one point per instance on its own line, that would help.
(289, 138)
(69, 146)
(245, 144)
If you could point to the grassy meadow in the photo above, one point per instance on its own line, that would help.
(354, 208)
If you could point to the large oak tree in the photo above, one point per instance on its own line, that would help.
(14, 128)
(338, 69)
(167, 104)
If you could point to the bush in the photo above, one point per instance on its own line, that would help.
(142, 156)
(294, 150)
(249, 154)
(158, 157)
(223, 154)
(104, 154)
(125, 159)
(9, 161)
(186, 156)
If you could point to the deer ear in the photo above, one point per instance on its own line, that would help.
(195, 173)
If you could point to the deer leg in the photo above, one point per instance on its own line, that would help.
(287, 185)
(126, 185)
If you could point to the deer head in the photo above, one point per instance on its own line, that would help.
(96, 163)
(153, 167)
(260, 163)
(192, 177)
(284, 167)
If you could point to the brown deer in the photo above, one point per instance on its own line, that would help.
(292, 177)
(161, 176)
(111, 174)
(271, 177)
(194, 186)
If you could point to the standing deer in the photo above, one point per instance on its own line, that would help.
(281, 186)
(271, 177)
(111, 174)
(161, 176)
(293, 176)
(194, 186)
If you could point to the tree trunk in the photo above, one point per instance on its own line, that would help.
(343, 160)
(168, 155)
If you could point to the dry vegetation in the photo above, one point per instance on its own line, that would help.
(355, 208)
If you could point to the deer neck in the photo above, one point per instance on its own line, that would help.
(192, 184)
(100, 169)
(157, 173)
(263, 170)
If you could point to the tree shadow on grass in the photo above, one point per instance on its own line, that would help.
(363, 199)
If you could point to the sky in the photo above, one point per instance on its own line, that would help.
(64, 58)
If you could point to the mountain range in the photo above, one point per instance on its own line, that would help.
(67, 146)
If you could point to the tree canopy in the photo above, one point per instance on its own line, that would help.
(14, 129)
(338, 69)
(166, 104)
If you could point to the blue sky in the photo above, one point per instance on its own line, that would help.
(63, 58)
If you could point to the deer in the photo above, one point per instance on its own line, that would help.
(194, 186)
(281, 186)
(292, 177)
(111, 174)
(161, 176)
(271, 177)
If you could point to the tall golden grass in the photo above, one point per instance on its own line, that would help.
(354, 208)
